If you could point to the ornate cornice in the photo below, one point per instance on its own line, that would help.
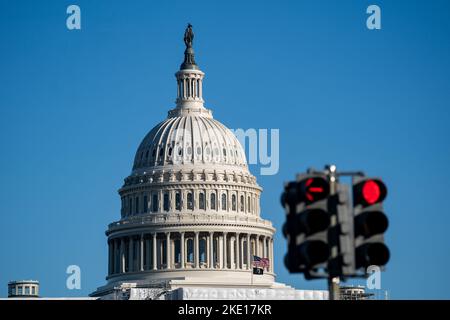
(167, 221)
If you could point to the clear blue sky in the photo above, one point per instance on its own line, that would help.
(74, 105)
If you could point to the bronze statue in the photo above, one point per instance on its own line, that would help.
(188, 36)
(189, 62)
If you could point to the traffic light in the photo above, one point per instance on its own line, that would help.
(370, 222)
(307, 223)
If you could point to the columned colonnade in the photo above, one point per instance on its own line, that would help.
(187, 250)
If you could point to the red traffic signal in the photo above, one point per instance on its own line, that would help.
(314, 189)
(369, 192)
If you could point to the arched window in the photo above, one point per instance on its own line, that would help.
(177, 201)
(190, 201)
(155, 203)
(224, 201)
(249, 209)
(242, 204)
(130, 206)
(145, 204)
(136, 206)
(166, 202)
(213, 201)
(201, 201)
(233, 202)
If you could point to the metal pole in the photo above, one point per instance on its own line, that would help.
(333, 282)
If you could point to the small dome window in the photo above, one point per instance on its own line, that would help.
(170, 151)
(166, 202)
(146, 154)
(199, 150)
(178, 201)
(136, 206)
(145, 204)
(190, 201)
(201, 201)
(213, 201)
(224, 201)
(224, 152)
(189, 150)
(155, 203)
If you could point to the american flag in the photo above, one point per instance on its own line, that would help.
(259, 262)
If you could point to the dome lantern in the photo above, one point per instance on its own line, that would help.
(189, 82)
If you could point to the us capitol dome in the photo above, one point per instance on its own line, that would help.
(190, 220)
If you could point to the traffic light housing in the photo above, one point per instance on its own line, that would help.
(370, 222)
(307, 222)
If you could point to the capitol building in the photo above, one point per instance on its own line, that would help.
(190, 221)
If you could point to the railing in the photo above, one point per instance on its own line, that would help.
(192, 218)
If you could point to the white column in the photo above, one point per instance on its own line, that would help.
(122, 255)
(113, 260)
(182, 253)
(237, 251)
(196, 251)
(232, 249)
(263, 249)
(248, 252)
(241, 255)
(207, 250)
(130, 255)
(194, 88)
(211, 250)
(110, 256)
(147, 253)
(271, 256)
(220, 250)
(257, 246)
(141, 253)
(114, 265)
(168, 260)
(154, 251)
(225, 243)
